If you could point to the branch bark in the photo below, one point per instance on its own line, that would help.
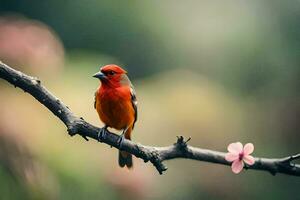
(156, 155)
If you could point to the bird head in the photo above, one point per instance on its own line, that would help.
(112, 75)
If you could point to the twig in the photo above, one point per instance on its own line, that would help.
(156, 155)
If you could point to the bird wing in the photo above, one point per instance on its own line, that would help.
(134, 103)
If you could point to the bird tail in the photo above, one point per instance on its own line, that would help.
(125, 158)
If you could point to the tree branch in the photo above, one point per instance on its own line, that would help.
(156, 155)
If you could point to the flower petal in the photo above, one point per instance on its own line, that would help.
(231, 157)
(248, 148)
(236, 147)
(249, 159)
(237, 166)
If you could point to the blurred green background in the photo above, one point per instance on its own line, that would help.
(218, 71)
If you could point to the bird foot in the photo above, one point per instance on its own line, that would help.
(102, 134)
(120, 141)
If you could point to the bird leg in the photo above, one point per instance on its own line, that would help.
(102, 133)
(121, 139)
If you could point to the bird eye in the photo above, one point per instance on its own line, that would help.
(111, 73)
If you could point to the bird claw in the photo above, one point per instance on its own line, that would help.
(120, 141)
(102, 134)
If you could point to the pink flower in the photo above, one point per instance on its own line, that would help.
(237, 154)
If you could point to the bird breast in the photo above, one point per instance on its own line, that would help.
(115, 108)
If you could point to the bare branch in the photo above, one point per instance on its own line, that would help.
(156, 155)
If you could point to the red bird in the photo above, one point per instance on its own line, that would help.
(116, 104)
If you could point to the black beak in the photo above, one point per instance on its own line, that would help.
(100, 76)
